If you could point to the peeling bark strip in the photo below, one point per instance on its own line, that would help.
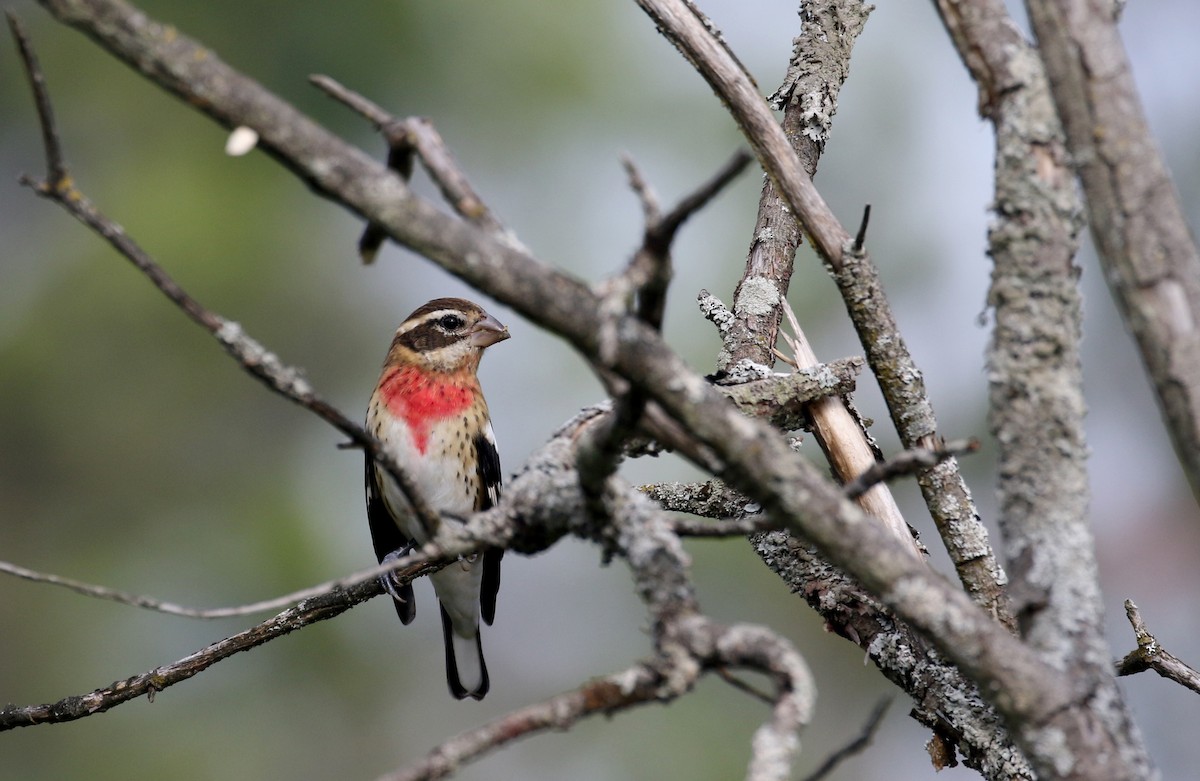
(1150, 258)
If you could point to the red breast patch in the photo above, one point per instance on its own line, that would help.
(422, 399)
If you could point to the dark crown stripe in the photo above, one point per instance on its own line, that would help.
(460, 305)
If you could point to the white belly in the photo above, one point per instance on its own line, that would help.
(440, 473)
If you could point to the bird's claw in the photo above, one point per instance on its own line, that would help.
(389, 579)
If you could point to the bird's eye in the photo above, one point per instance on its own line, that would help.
(451, 322)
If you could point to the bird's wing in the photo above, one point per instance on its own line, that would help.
(387, 537)
(488, 467)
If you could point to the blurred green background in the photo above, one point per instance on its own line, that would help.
(135, 454)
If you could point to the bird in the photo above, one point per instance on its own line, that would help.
(429, 413)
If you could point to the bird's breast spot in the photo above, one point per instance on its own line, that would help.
(421, 400)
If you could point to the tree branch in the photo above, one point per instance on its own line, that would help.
(746, 453)
(819, 66)
(856, 746)
(309, 611)
(1150, 258)
(638, 685)
(1150, 655)
(1036, 402)
(416, 136)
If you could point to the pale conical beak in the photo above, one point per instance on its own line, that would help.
(488, 331)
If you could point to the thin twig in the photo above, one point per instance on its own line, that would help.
(725, 675)
(1150, 655)
(416, 135)
(638, 685)
(310, 611)
(856, 746)
(56, 167)
(651, 208)
(666, 228)
(645, 278)
(908, 462)
(860, 238)
(406, 568)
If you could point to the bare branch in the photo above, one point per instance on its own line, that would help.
(856, 746)
(1150, 655)
(1036, 401)
(56, 166)
(148, 683)
(416, 136)
(782, 398)
(860, 238)
(900, 380)
(1150, 257)
(908, 462)
(668, 225)
(944, 699)
(808, 98)
(638, 685)
(400, 566)
(646, 279)
(744, 452)
(651, 208)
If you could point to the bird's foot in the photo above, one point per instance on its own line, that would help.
(389, 579)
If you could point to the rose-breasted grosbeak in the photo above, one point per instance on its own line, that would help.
(429, 411)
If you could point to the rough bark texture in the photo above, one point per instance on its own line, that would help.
(1067, 720)
(1037, 408)
(819, 67)
(1150, 258)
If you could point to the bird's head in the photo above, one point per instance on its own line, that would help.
(446, 335)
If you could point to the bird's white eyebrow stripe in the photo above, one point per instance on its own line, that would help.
(425, 318)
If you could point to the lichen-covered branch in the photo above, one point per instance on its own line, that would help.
(819, 65)
(1150, 655)
(1150, 258)
(1036, 403)
(748, 454)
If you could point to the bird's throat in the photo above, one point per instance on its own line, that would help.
(422, 399)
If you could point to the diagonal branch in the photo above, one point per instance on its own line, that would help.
(857, 745)
(789, 154)
(639, 685)
(56, 166)
(309, 611)
(406, 138)
(400, 566)
(642, 287)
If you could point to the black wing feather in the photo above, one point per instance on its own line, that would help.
(387, 538)
(488, 460)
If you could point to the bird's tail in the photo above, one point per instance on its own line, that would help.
(466, 671)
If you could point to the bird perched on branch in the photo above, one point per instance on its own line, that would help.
(429, 412)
